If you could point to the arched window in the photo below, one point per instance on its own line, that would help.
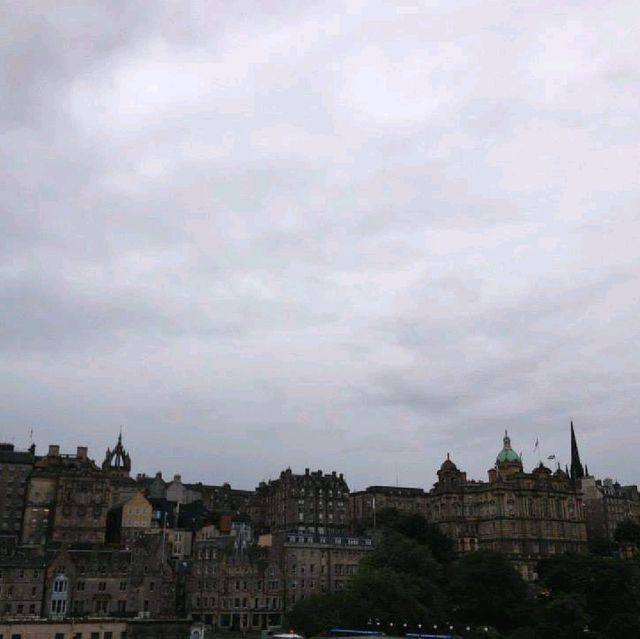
(59, 593)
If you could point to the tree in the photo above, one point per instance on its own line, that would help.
(318, 613)
(417, 528)
(563, 617)
(628, 532)
(609, 586)
(487, 590)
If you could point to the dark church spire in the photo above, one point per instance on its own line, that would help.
(577, 472)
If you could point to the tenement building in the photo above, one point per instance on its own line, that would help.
(364, 504)
(312, 501)
(523, 515)
(317, 563)
(607, 504)
(110, 582)
(67, 500)
(21, 585)
(15, 468)
(233, 583)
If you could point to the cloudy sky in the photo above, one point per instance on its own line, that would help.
(345, 236)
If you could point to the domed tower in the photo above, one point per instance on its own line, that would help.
(117, 461)
(508, 462)
(449, 474)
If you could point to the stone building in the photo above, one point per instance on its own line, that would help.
(222, 498)
(313, 502)
(67, 500)
(607, 504)
(21, 585)
(153, 487)
(130, 520)
(95, 629)
(363, 504)
(233, 584)
(523, 515)
(15, 468)
(110, 582)
(313, 564)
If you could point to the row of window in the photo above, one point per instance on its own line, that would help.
(9, 591)
(19, 610)
(23, 574)
(107, 634)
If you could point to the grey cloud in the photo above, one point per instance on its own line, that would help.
(346, 237)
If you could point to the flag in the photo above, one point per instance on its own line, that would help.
(551, 457)
(536, 446)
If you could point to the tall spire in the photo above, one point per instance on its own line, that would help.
(577, 472)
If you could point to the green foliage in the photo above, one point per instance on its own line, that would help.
(563, 616)
(607, 587)
(624, 625)
(411, 577)
(317, 613)
(417, 528)
(487, 589)
(628, 532)
(602, 547)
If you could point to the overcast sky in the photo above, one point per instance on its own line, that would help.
(344, 236)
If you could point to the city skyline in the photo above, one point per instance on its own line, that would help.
(530, 460)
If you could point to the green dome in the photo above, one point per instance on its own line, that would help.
(507, 454)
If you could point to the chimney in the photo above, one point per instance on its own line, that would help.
(54, 450)
(82, 452)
